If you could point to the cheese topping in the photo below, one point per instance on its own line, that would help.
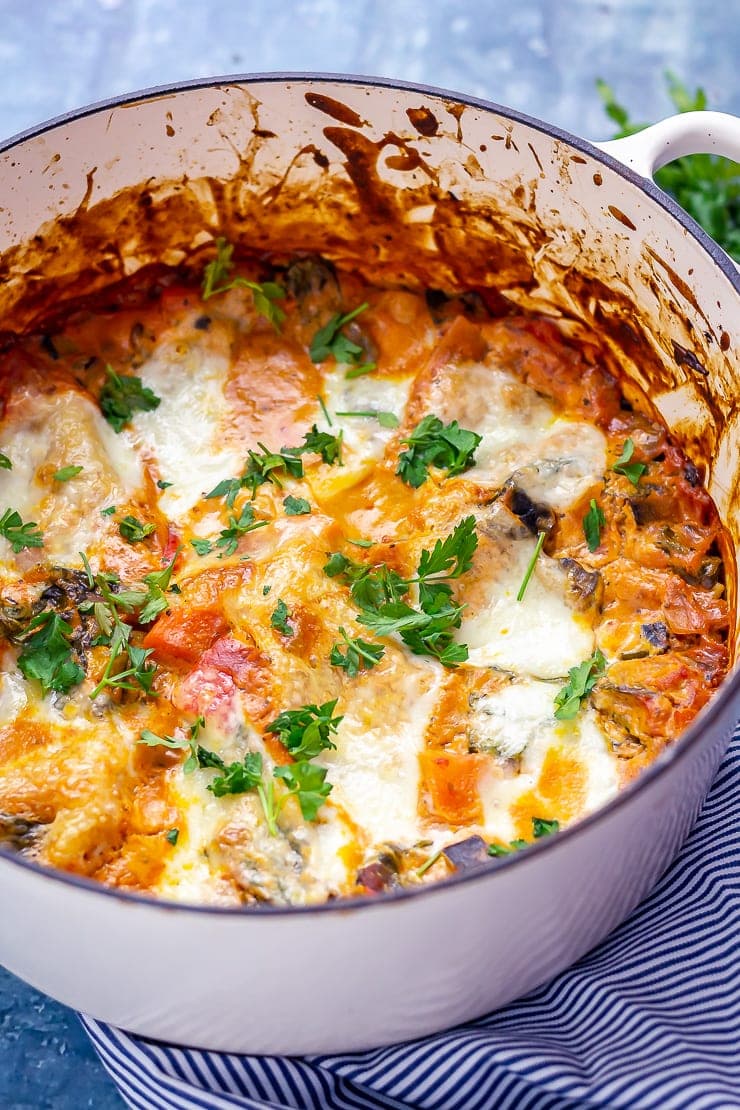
(316, 593)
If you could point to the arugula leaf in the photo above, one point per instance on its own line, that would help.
(432, 443)
(47, 654)
(306, 731)
(530, 566)
(360, 655)
(5, 463)
(329, 447)
(133, 530)
(581, 682)
(385, 419)
(296, 506)
(66, 473)
(122, 396)
(264, 294)
(306, 782)
(708, 187)
(593, 522)
(279, 618)
(633, 471)
(18, 534)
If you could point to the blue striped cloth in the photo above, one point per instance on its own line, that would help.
(651, 1018)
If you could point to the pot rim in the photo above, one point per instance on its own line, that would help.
(728, 691)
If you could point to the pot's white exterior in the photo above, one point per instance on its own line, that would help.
(352, 976)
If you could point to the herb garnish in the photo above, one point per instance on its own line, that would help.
(531, 565)
(122, 396)
(47, 654)
(540, 827)
(109, 511)
(359, 655)
(307, 731)
(632, 471)
(5, 463)
(163, 485)
(330, 340)
(593, 522)
(263, 466)
(133, 530)
(432, 443)
(228, 539)
(216, 280)
(279, 618)
(385, 419)
(581, 682)
(329, 447)
(66, 473)
(296, 506)
(172, 836)
(18, 534)
(380, 593)
(307, 783)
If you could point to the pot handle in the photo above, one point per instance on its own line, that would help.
(687, 133)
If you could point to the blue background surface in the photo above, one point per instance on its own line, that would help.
(540, 56)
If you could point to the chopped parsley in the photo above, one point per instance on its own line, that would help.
(279, 618)
(66, 473)
(307, 731)
(5, 463)
(540, 827)
(262, 466)
(359, 654)
(47, 654)
(330, 341)
(581, 682)
(631, 470)
(19, 535)
(133, 530)
(216, 279)
(531, 565)
(593, 522)
(109, 511)
(385, 419)
(163, 485)
(172, 836)
(296, 506)
(432, 443)
(307, 784)
(329, 447)
(122, 396)
(228, 540)
(380, 593)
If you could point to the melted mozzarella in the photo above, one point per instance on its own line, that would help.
(184, 433)
(541, 635)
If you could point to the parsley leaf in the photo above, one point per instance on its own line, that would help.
(360, 655)
(66, 473)
(216, 280)
(47, 654)
(109, 511)
(18, 534)
(239, 526)
(306, 731)
(202, 547)
(530, 566)
(172, 836)
(122, 396)
(5, 463)
(632, 471)
(329, 447)
(593, 522)
(385, 419)
(542, 827)
(133, 530)
(238, 778)
(161, 484)
(279, 618)
(151, 740)
(581, 682)
(296, 506)
(329, 340)
(306, 782)
(432, 443)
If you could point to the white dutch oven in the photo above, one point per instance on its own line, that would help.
(484, 194)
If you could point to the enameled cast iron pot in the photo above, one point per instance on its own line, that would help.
(414, 184)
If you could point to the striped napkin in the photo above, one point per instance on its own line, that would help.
(650, 1018)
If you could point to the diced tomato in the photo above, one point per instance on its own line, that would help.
(450, 786)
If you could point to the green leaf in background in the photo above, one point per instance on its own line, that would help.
(706, 186)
